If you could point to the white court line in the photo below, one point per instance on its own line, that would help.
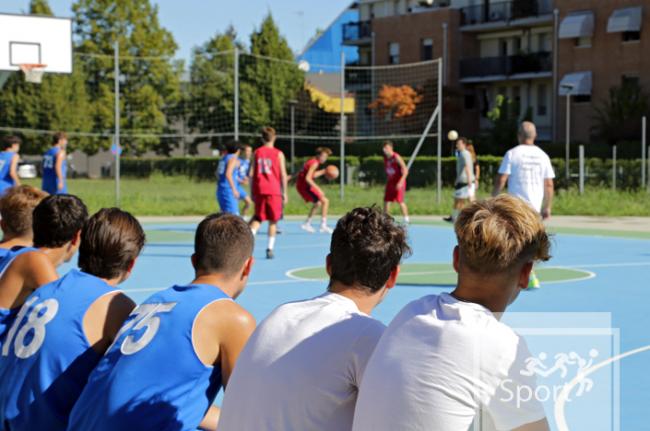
(605, 265)
(560, 418)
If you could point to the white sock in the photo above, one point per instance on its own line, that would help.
(407, 219)
(308, 220)
(323, 221)
(454, 214)
(254, 231)
(271, 242)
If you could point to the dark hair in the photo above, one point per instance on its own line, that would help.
(388, 144)
(366, 246)
(10, 141)
(57, 219)
(232, 147)
(110, 241)
(223, 242)
(268, 134)
(58, 136)
(16, 208)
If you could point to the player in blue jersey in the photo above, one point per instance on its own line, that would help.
(73, 320)
(16, 207)
(243, 177)
(57, 222)
(9, 163)
(55, 166)
(227, 190)
(179, 347)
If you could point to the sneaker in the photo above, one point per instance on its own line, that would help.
(307, 227)
(269, 253)
(325, 229)
(448, 219)
(533, 281)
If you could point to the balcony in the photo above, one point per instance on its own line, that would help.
(357, 79)
(506, 67)
(495, 14)
(357, 33)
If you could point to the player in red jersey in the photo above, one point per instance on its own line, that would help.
(310, 192)
(269, 174)
(396, 173)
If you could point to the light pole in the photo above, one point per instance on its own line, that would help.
(569, 88)
(292, 104)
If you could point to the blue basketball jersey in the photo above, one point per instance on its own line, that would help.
(222, 180)
(46, 358)
(151, 378)
(50, 181)
(5, 169)
(244, 168)
(7, 316)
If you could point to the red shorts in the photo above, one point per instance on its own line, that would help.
(393, 193)
(268, 208)
(308, 193)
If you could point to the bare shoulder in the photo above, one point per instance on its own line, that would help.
(116, 303)
(226, 314)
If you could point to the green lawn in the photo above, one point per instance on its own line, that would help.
(173, 196)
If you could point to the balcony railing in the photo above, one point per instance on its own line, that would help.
(357, 78)
(539, 62)
(356, 31)
(490, 12)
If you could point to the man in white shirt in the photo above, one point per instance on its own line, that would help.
(302, 367)
(445, 357)
(528, 172)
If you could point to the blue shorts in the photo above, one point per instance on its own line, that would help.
(242, 193)
(228, 203)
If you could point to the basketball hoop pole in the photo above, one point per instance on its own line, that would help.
(117, 124)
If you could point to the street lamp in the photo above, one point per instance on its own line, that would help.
(292, 104)
(569, 88)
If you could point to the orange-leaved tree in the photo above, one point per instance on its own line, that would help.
(396, 101)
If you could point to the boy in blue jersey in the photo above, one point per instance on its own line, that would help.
(9, 163)
(57, 222)
(243, 177)
(74, 320)
(55, 166)
(179, 347)
(227, 190)
(16, 207)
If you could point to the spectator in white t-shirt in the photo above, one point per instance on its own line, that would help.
(302, 367)
(446, 357)
(528, 172)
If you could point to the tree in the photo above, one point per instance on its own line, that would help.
(269, 78)
(619, 118)
(149, 78)
(60, 102)
(396, 102)
(505, 123)
(209, 99)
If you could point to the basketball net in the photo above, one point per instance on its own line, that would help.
(33, 72)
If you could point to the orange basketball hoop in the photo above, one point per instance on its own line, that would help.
(33, 72)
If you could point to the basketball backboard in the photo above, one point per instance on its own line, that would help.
(31, 39)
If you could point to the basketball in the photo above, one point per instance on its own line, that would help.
(331, 172)
(452, 135)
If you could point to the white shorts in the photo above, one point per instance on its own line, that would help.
(462, 193)
(472, 190)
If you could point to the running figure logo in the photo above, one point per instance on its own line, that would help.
(536, 365)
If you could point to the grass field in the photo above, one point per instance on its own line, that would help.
(175, 196)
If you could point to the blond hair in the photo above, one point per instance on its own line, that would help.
(499, 234)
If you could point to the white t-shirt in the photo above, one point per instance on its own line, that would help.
(437, 364)
(301, 368)
(527, 166)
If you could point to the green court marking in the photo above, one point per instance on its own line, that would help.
(169, 236)
(443, 274)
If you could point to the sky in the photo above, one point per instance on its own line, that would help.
(193, 22)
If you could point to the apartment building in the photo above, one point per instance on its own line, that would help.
(531, 51)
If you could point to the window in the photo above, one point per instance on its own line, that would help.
(516, 96)
(542, 42)
(427, 49)
(470, 101)
(583, 42)
(393, 53)
(631, 36)
(582, 98)
(630, 80)
(542, 99)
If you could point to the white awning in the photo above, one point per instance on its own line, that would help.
(626, 19)
(575, 25)
(577, 84)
